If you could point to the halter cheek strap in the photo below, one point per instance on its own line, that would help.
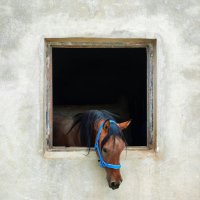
(96, 147)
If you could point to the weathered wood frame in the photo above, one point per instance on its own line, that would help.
(149, 44)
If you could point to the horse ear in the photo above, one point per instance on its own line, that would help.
(106, 125)
(124, 125)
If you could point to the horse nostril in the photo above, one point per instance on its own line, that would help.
(114, 185)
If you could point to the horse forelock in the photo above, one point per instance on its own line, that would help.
(115, 132)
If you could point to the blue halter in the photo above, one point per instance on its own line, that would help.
(96, 148)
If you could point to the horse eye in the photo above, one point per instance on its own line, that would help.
(104, 150)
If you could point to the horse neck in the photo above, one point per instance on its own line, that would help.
(74, 136)
(94, 132)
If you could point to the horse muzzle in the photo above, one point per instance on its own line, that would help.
(114, 185)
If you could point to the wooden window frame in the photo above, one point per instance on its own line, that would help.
(149, 44)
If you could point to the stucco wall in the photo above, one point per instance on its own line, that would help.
(173, 172)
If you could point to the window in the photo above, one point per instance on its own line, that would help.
(110, 74)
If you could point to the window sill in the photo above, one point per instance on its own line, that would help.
(81, 152)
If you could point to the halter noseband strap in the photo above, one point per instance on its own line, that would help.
(96, 148)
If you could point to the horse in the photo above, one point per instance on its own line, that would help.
(94, 128)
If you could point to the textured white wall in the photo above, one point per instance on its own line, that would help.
(171, 173)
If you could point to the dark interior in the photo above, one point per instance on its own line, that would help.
(104, 76)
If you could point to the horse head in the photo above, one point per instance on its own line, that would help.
(111, 143)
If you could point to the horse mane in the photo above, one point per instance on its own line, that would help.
(86, 122)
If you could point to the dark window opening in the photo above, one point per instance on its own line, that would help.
(113, 79)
